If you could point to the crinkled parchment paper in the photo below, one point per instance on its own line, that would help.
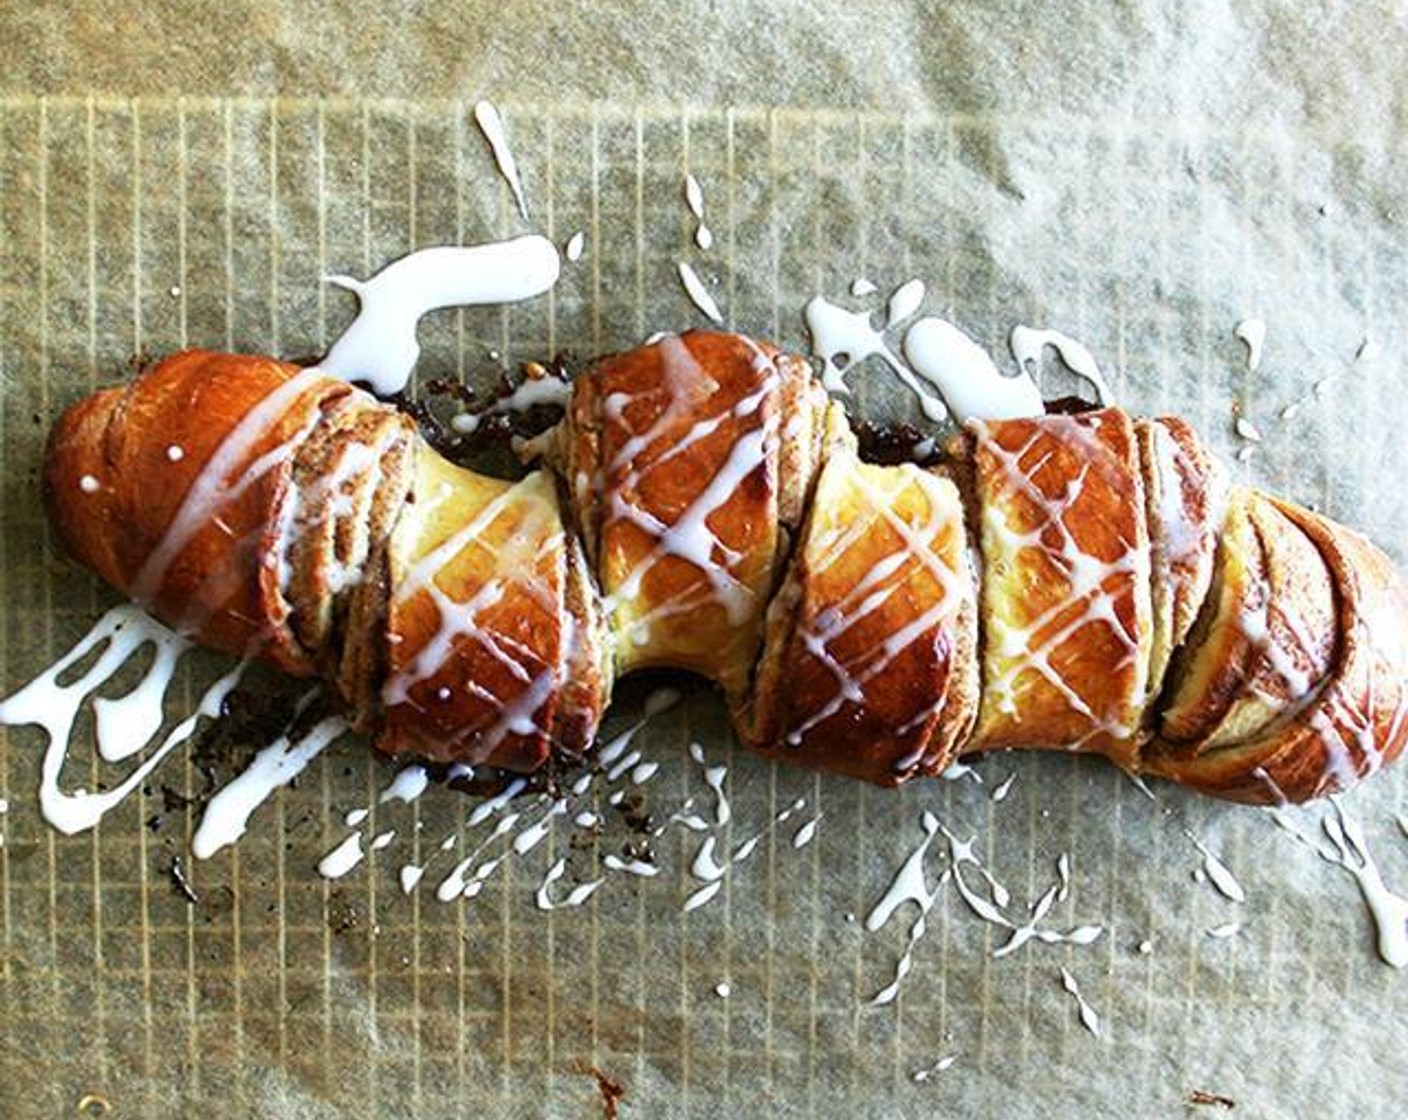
(1143, 178)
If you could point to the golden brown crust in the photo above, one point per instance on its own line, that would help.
(122, 500)
(869, 668)
(272, 511)
(1354, 723)
(1066, 606)
(479, 635)
(684, 494)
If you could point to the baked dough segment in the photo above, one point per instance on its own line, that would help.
(168, 488)
(688, 460)
(1186, 500)
(475, 625)
(1066, 608)
(1267, 638)
(1350, 725)
(869, 667)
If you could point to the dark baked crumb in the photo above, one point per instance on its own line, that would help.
(1069, 406)
(1197, 1096)
(888, 444)
(342, 913)
(638, 850)
(634, 813)
(612, 1091)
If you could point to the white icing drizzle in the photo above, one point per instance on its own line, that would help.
(908, 886)
(1252, 332)
(383, 840)
(845, 338)
(1389, 911)
(698, 293)
(227, 814)
(380, 346)
(355, 817)
(537, 832)
(1225, 931)
(531, 392)
(860, 286)
(1028, 344)
(705, 867)
(714, 778)
(904, 302)
(1031, 930)
(574, 247)
(575, 897)
(1003, 788)
(637, 867)
(966, 376)
(342, 858)
(486, 116)
(411, 875)
(410, 782)
(723, 990)
(708, 870)
(806, 833)
(1247, 430)
(694, 197)
(920, 1076)
(53, 707)
(703, 895)
(1217, 872)
(661, 699)
(1088, 1017)
(956, 771)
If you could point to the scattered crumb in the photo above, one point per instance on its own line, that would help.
(723, 990)
(612, 1091)
(1146, 947)
(1197, 1096)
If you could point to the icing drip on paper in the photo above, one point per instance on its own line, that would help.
(1088, 1017)
(342, 858)
(116, 638)
(1349, 851)
(919, 1076)
(694, 197)
(227, 815)
(1252, 332)
(380, 347)
(908, 886)
(1028, 344)
(486, 116)
(575, 246)
(844, 339)
(698, 293)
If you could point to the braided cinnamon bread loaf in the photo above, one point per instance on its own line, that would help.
(1085, 582)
